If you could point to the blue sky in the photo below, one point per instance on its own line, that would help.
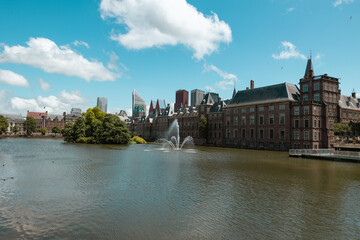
(63, 54)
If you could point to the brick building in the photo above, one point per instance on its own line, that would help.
(280, 116)
(182, 99)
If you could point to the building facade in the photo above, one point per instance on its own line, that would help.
(138, 106)
(276, 117)
(196, 97)
(181, 99)
(102, 103)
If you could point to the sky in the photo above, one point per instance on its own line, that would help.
(56, 55)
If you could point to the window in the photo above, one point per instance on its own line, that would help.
(306, 136)
(297, 125)
(202, 108)
(243, 133)
(296, 136)
(252, 120)
(236, 111)
(282, 107)
(306, 110)
(315, 136)
(252, 133)
(306, 88)
(235, 133)
(271, 108)
(319, 124)
(243, 120)
(282, 118)
(261, 109)
(316, 86)
(261, 120)
(282, 133)
(227, 111)
(296, 111)
(227, 133)
(314, 123)
(305, 97)
(271, 133)
(271, 119)
(317, 97)
(236, 121)
(243, 110)
(306, 123)
(252, 109)
(261, 133)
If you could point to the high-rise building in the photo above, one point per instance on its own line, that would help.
(182, 99)
(196, 97)
(102, 103)
(138, 105)
(76, 111)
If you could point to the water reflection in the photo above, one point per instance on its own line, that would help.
(137, 192)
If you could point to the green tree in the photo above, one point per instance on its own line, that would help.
(15, 130)
(43, 130)
(79, 129)
(203, 128)
(67, 132)
(113, 131)
(30, 125)
(4, 124)
(56, 130)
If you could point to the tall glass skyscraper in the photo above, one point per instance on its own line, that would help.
(138, 105)
(102, 103)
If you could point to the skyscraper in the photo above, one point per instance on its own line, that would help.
(102, 103)
(138, 105)
(182, 99)
(196, 97)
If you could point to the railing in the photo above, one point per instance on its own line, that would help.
(314, 152)
(348, 153)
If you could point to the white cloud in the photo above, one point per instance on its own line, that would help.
(45, 86)
(226, 84)
(45, 54)
(339, 2)
(290, 51)
(112, 63)
(221, 73)
(81, 43)
(129, 111)
(289, 10)
(317, 57)
(11, 78)
(209, 89)
(155, 23)
(63, 103)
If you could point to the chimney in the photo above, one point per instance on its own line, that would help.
(219, 99)
(247, 88)
(353, 94)
(252, 84)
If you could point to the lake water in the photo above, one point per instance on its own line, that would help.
(53, 190)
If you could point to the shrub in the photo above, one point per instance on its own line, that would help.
(138, 140)
(88, 140)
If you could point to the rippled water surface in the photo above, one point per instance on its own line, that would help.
(53, 190)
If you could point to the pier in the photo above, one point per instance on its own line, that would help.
(326, 154)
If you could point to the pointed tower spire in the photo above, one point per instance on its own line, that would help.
(234, 92)
(309, 72)
(151, 109)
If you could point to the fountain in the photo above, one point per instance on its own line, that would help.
(174, 141)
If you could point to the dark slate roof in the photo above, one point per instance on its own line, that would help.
(309, 69)
(278, 92)
(210, 98)
(349, 102)
(218, 107)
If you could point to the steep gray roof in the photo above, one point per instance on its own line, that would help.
(273, 93)
(210, 98)
(349, 102)
(53, 116)
(13, 116)
(217, 107)
(309, 69)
